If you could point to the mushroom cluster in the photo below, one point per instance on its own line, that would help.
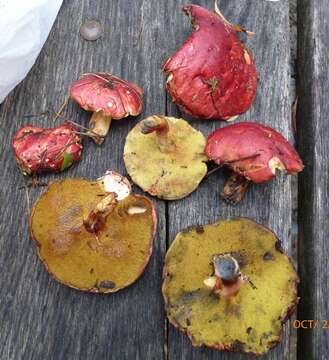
(228, 285)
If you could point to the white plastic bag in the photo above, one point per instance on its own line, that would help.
(24, 28)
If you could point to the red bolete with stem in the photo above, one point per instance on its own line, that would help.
(165, 157)
(108, 97)
(94, 236)
(254, 152)
(212, 76)
(229, 286)
(38, 149)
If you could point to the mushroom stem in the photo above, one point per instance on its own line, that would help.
(99, 126)
(227, 278)
(97, 217)
(235, 189)
(160, 126)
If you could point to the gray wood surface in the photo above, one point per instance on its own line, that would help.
(269, 204)
(313, 131)
(41, 319)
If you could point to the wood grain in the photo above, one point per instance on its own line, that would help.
(268, 204)
(313, 135)
(41, 319)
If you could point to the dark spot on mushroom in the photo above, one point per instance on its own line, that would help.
(91, 30)
(278, 246)
(109, 84)
(199, 229)
(107, 284)
(268, 256)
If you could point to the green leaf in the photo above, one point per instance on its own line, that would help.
(67, 161)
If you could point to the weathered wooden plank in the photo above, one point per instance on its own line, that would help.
(269, 204)
(313, 135)
(41, 319)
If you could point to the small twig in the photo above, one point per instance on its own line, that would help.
(85, 128)
(214, 170)
(59, 112)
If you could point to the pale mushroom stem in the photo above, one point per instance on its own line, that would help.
(160, 126)
(97, 217)
(99, 125)
(234, 189)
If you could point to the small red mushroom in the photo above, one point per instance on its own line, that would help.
(254, 152)
(212, 76)
(39, 150)
(108, 97)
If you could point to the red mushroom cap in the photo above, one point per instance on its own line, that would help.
(253, 150)
(108, 93)
(55, 149)
(212, 76)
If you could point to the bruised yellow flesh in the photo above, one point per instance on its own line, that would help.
(76, 257)
(168, 175)
(252, 320)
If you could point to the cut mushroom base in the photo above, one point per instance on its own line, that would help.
(254, 153)
(165, 157)
(109, 98)
(88, 239)
(229, 286)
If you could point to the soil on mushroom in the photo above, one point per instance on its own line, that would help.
(104, 263)
(253, 317)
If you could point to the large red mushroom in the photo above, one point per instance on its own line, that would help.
(54, 149)
(108, 97)
(254, 152)
(212, 76)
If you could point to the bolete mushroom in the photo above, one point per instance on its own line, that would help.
(254, 152)
(213, 75)
(229, 286)
(38, 149)
(94, 236)
(108, 97)
(165, 157)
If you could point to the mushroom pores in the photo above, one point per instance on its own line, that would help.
(253, 150)
(251, 319)
(168, 163)
(102, 262)
(212, 76)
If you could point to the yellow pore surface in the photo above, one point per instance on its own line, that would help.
(250, 321)
(171, 174)
(104, 263)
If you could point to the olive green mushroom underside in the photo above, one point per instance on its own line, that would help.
(102, 262)
(252, 320)
(168, 175)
